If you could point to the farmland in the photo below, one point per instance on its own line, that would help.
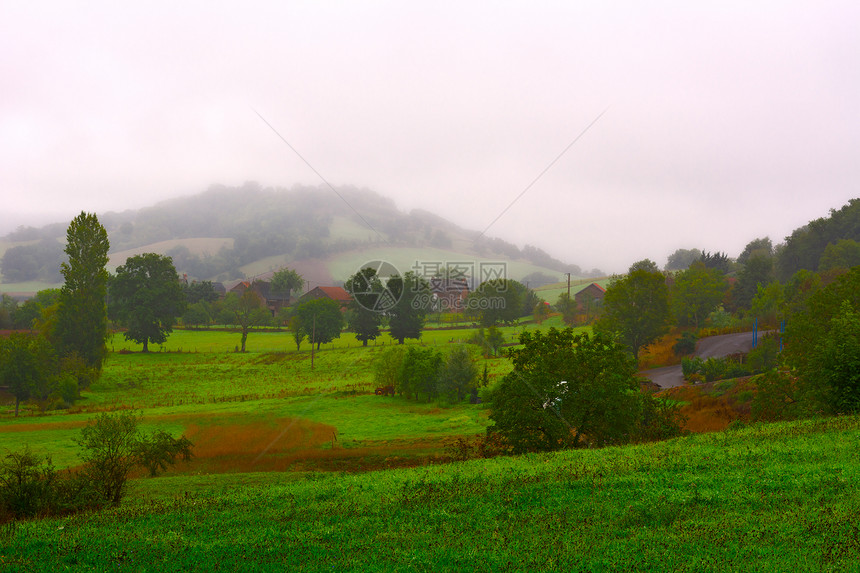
(308, 469)
(196, 383)
(768, 497)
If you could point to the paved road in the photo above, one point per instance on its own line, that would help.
(710, 347)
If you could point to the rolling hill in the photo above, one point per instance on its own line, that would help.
(228, 233)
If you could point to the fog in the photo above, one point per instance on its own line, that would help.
(724, 121)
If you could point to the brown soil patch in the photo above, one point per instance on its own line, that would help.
(712, 406)
(294, 444)
(255, 446)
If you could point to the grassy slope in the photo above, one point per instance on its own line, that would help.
(197, 246)
(779, 497)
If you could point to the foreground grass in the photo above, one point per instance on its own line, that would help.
(779, 497)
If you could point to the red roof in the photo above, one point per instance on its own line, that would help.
(336, 293)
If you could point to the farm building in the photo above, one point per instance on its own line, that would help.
(449, 295)
(590, 297)
(337, 294)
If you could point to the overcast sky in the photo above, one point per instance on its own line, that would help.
(724, 121)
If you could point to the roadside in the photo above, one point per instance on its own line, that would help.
(710, 347)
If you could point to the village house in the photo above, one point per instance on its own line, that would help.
(335, 293)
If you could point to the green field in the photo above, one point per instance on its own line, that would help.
(196, 378)
(307, 469)
(778, 497)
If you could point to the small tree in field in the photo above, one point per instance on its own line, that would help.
(246, 311)
(458, 375)
(113, 446)
(321, 320)
(365, 314)
(298, 331)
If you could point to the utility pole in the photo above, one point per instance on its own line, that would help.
(568, 286)
(313, 338)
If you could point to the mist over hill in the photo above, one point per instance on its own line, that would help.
(227, 233)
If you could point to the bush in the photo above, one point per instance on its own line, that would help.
(764, 356)
(458, 375)
(113, 446)
(387, 368)
(691, 366)
(661, 419)
(27, 484)
(782, 396)
(686, 343)
(482, 446)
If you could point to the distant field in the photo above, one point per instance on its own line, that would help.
(197, 246)
(196, 380)
(28, 287)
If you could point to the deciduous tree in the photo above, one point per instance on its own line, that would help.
(406, 317)
(822, 345)
(146, 297)
(498, 301)
(696, 293)
(566, 391)
(285, 281)
(246, 312)
(320, 319)
(367, 305)
(81, 320)
(25, 366)
(636, 308)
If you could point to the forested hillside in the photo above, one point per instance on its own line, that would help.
(250, 223)
(824, 243)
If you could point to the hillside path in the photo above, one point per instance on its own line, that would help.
(710, 347)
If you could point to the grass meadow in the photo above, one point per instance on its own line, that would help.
(777, 497)
(263, 410)
(300, 468)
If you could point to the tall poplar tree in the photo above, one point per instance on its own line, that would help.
(82, 326)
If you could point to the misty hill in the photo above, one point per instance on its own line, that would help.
(228, 233)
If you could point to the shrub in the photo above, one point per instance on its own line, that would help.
(720, 368)
(458, 375)
(113, 446)
(686, 343)
(764, 356)
(26, 484)
(661, 419)
(387, 368)
(691, 366)
(482, 446)
(782, 396)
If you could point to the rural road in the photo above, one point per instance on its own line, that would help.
(710, 347)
